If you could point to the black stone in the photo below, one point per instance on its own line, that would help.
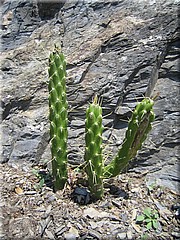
(81, 195)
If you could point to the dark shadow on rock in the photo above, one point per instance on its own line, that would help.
(118, 192)
(47, 10)
(45, 174)
(18, 104)
(82, 195)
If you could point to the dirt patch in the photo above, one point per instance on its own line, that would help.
(31, 210)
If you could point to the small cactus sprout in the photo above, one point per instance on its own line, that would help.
(93, 149)
(58, 117)
(138, 128)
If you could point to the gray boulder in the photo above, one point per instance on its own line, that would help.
(121, 50)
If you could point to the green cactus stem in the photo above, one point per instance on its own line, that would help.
(93, 149)
(58, 117)
(138, 128)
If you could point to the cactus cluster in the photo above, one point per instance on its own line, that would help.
(138, 128)
(58, 117)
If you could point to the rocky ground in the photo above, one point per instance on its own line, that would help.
(31, 210)
(123, 50)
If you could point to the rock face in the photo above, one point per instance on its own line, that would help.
(121, 50)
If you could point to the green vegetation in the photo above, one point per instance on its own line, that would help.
(41, 178)
(138, 128)
(93, 150)
(58, 117)
(149, 217)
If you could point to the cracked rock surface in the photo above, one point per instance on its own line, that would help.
(121, 50)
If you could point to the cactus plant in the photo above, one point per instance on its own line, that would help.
(93, 151)
(138, 128)
(58, 117)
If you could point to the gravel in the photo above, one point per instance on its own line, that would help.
(28, 212)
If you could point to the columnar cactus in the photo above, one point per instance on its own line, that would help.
(58, 117)
(93, 151)
(138, 128)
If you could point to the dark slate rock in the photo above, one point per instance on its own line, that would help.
(81, 195)
(121, 50)
(47, 10)
(19, 20)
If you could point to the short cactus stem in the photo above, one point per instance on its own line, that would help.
(58, 117)
(93, 149)
(138, 128)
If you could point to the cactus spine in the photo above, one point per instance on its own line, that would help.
(58, 117)
(138, 128)
(93, 150)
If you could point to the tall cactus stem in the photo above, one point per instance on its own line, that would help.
(93, 149)
(58, 117)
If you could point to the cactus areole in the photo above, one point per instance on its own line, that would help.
(58, 117)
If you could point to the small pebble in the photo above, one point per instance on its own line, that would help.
(121, 236)
(91, 212)
(51, 198)
(49, 235)
(176, 234)
(95, 234)
(124, 217)
(93, 225)
(79, 226)
(107, 205)
(60, 230)
(25, 169)
(116, 203)
(39, 202)
(176, 208)
(30, 192)
(69, 236)
(129, 235)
